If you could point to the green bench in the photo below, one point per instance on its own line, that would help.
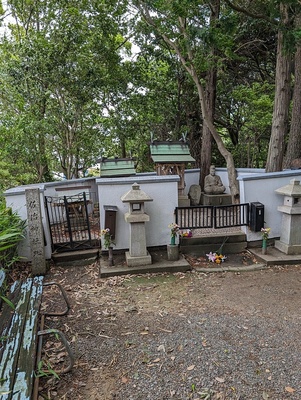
(21, 336)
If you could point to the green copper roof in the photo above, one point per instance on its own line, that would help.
(166, 152)
(117, 167)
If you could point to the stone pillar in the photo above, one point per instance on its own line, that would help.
(137, 240)
(35, 231)
(136, 217)
(172, 252)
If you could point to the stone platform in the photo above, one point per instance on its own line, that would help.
(216, 199)
(275, 256)
(160, 264)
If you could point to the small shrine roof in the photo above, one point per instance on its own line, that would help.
(110, 167)
(170, 152)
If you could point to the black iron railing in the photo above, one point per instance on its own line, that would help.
(198, 217)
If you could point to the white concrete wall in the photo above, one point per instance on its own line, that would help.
(255, 186)
(70, 187)
(164, 192)
(261, 188)
(15, 198)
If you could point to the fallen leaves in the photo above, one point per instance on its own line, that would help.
(289, 389)
(145, 331)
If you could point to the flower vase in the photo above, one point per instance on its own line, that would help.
(173, 240)
(264, 246)
(111, 261)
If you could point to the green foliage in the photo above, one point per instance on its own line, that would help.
(72, 91)
(11, 305)
(57, 66)
(11, 233)
(44, 369)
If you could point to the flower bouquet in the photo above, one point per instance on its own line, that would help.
(187, 233)
(108, 242)
(216, 258)
(107, 238)
(265, 235)
(174, 229)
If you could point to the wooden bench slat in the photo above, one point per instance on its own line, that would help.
(13, 339)
(21, 340)
(2, 285)
(24, 379)
(2, 276)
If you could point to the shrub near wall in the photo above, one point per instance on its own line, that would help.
(11, 233)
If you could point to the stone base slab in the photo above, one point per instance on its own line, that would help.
(183, 201)
(216, 199)
(138, 260)
(286, 248)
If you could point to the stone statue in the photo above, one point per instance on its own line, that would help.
(213, 183)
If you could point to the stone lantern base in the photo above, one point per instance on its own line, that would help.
(287, 248)
(136, 261)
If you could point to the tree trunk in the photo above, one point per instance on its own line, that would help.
(187, 61)
(232, 175)
(294, 141)
(281, 102)
(210, 97)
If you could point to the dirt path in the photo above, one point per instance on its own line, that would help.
(181, 336)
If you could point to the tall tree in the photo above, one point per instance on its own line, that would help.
(60, 59)
(281, 14)
(282, 97)
(293, 149)
(175, 24)
(210, 96)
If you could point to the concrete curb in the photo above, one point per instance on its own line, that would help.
(253, 267)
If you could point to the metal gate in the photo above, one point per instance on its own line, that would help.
(216, 217)
(73, 222)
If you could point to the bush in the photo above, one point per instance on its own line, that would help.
(11, 233)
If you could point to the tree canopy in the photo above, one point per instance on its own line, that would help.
(84, 79)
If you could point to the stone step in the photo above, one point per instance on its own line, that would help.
(202, 245)
(78, 257)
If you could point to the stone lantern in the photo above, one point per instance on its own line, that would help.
(290, 239)
(136, 217)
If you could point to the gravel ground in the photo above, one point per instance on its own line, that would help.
(222, 356)
(182, 336)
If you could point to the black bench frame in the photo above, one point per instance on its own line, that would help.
(21, 334)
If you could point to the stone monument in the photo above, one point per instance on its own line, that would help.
(214, 190)
(136, 217)
(35, 231)
(194, 194)
(290, 239)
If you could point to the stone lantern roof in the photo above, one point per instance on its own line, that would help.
(135, 195)
(292, 190)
